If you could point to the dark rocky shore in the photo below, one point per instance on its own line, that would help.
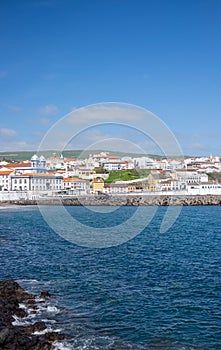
(21, 337)
(123, 200)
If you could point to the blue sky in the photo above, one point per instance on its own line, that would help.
(164, 56)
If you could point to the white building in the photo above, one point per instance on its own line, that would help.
(76, 186)
(204, 189)
(84, 173)
(55, 162)
(36, 165)
(36, 182)
(144, 163)
(116, 188)
(169, 185)
(5, 179)
(190, 176)
(115, 166)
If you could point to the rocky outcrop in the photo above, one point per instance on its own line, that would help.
(134, 200)
(21, 337)
(124, 200)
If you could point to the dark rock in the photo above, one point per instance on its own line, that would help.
(53, 336)
(21, 337)
(45, 294)
(36, 327)
(3, 335)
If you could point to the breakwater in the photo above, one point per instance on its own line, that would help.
(122, 200)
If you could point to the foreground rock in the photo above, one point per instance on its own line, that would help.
(21, 337)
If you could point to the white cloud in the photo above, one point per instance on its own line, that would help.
(107, 114)
(44, 121)
(7, 133)
(49, 109)
(12, 108)
(13, 146)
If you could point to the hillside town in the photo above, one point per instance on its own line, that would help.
(105, 174)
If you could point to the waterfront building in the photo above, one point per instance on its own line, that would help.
(98, 185)
(5, 178)
(203, 188)
(116, 188)
(36, 182)
(154, 178)
(169, 185)
(190, 176)
(75, 186)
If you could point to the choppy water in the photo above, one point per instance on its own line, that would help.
(157, 291)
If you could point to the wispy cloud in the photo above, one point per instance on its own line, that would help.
(7, 133)
(106, 113)
(49, 110)
(12, 107)
(18, 146)
(196, 146)
(44, 121)
(116, 114)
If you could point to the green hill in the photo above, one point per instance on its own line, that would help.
(16, 156)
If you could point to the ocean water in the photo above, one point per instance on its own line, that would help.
(156, 291)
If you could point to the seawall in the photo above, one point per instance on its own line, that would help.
(122, 200)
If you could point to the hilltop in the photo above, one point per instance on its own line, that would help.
(16, 156)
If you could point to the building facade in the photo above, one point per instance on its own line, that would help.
(36, 182)
(75, 186)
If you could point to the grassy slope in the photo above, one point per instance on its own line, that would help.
(126, 175)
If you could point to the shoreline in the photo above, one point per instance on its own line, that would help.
(17, 304)
(120, 200)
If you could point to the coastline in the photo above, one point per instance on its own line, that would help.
(16, 305)
(120, 200)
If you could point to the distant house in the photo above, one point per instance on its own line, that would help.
(189, 176)
(5, 178)
(115, 188)
(85, 173)
(113, 166)
(55, 162)
(144, 163)
(169, 185)
(75, 186)
(98, 186)
(154, 178)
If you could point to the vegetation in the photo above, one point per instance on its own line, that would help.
(126, 175)
(100, 170)
(215, 177)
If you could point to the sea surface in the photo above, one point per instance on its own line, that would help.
(156, 291)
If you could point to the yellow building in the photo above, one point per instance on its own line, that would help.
(154, 179)
(98, 185)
